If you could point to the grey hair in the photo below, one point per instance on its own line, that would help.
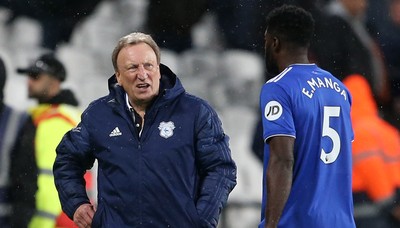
(132, 39)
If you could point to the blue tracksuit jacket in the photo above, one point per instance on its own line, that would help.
(179, 173)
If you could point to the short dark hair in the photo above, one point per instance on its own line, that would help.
(292, 24)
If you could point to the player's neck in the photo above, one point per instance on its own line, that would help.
(294, 57)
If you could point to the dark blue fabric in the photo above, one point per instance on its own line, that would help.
(177, 181)
(11, 123)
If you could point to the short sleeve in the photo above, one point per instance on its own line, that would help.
(276, 111)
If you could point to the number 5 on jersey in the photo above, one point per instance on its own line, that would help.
(327, 130)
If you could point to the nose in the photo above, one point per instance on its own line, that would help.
(142, 74)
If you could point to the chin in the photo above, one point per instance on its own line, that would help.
(145, 99)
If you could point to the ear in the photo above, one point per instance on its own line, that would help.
(118, 76)
(276, 44)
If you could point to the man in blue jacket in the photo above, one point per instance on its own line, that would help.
(163, 157)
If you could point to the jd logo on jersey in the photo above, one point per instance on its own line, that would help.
(273, 110)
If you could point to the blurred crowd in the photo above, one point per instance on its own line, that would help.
(357, 40)
(358, 36)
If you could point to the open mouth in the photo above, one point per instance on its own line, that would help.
(143, 86)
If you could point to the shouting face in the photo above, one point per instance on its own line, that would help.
(138, 73)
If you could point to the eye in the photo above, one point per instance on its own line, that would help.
(133, 68)
(148, 66)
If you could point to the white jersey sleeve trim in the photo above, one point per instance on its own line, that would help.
(265, 140)
(279, 76)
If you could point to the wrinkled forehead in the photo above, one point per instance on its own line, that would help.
(138, 52)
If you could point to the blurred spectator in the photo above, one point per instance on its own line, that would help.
(35, 196)
(348, 47)
(241, 23)
(374, 177)
(239, 30)
(58, 18)
(170, 22)
(388, 35)
(10, 123)
(390, 139)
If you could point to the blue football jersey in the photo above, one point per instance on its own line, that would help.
(312, 106)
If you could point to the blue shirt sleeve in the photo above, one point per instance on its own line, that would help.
(276, 111)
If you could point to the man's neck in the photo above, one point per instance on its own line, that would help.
(139, 108)
(298, 56)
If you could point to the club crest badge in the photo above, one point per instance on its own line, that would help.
(166, 129)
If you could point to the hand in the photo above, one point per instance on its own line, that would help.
(83, 216)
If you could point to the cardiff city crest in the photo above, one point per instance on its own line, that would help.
(166, 129)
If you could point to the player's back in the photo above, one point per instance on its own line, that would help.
(316, 111)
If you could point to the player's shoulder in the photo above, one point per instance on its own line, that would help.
(281, 76)
(293, 74)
